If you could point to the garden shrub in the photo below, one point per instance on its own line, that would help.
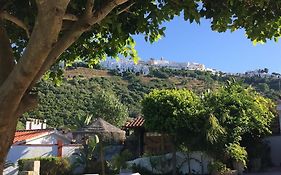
(119, 161)
(50, 165)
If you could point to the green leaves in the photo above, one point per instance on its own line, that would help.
(165, 110)
(75, 103)
(237, 106)
(237, 153)
(214, 131)
(260, 20)
(217, 121)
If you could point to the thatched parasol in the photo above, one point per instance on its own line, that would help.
(106, 132)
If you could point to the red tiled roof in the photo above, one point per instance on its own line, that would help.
(24, 135)
(136, 123)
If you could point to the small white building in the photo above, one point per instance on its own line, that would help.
(38, 143)
(196, 66)
(32, 143)
(162, 62)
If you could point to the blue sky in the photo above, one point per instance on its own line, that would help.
(229, 52)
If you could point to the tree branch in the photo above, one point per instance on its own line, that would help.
(101, 14)
(6, 55)
(89, 8)
(5, 15)
(73, 34)
(126, 8)
(70, 17)
(28, 103)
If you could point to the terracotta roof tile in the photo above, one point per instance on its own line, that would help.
(136, 123)
(23, 135)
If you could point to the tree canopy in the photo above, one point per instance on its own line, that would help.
(242, 113)
(215, 122)
(166, 111)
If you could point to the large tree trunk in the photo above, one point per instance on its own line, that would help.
(6, 123)
(6, 138)
(43, 49)
(16, 79)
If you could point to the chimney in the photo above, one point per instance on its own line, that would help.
(35, 124)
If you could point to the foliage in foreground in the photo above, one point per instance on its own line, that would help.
(84, 157)
(215, 122)
(49, 165)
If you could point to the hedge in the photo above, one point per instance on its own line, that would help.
(50, 165)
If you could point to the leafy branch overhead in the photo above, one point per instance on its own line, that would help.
(104, 26)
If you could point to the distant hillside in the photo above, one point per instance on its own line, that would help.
(86, 73)
(59, 105)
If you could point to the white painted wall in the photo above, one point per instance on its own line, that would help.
(49, 139)
(161, 168)
(68, 150)
(31, 151)
(18, 152)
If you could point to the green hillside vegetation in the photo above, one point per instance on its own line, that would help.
(100, 93)
(267, 86)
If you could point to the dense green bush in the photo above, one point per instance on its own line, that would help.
(119, 161)
(50, 165)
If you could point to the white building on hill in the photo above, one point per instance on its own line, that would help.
(162, 62)
(125, 65)
(177, 65)
(143, 66)
(196, 66)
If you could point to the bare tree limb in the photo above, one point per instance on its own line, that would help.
(5, 15)
(70, 17)
(126, 8)
(101, 14)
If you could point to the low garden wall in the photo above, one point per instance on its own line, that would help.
(197, 161)
(18, 152)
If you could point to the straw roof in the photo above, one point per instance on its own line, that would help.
(104, 129)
